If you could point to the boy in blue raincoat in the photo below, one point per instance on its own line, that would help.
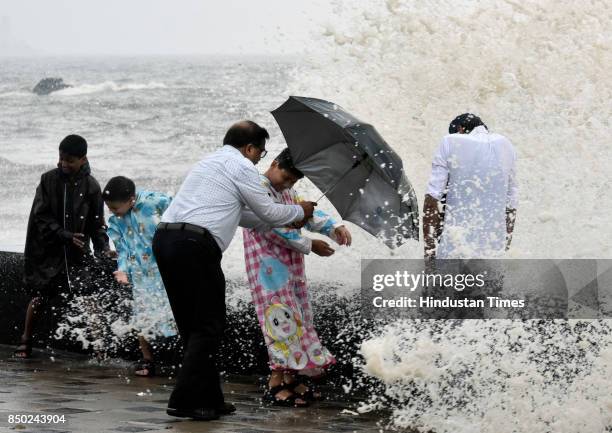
(131, 228)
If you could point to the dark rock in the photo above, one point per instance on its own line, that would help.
(48, 85)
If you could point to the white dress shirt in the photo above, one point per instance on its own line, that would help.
(217, 189)
(478, 173)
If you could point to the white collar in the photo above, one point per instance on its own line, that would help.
(230, 148)
(479, 130)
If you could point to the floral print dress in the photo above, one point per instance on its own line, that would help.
(132, 235)
(275, 269)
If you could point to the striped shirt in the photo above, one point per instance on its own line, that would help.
(216, 191)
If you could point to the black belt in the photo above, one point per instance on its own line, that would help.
(183, 226)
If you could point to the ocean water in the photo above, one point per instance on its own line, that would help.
(150, 119)
(535, 71)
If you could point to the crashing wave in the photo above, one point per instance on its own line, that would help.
(108, 86)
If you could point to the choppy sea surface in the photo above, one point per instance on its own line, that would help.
(149, 119)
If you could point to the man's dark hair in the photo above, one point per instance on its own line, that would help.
(246, 132)
(468, 121)
(74, 145)
(119, 188)
(285, 162)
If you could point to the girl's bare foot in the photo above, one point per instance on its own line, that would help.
(24, 350)
(280, 393)
(145, 368)
(303, 389)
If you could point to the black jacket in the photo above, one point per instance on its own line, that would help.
(52, 222)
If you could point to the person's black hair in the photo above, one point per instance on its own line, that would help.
(246, 132)
(285, 162)
(119, 188)
(74, 145)
(468, 121)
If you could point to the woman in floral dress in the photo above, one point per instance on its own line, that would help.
(275, 269)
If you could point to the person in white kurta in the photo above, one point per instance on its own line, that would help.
(475, 172)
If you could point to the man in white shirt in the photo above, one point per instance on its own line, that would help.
(196, 228)
(473, 180)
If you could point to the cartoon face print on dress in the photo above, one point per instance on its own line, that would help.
(282, 323)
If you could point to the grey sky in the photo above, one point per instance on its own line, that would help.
(160, 26)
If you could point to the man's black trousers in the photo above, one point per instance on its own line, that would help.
(190, 267)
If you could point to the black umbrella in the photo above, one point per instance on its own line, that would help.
(353, 165)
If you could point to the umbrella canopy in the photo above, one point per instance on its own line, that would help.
(353, 165)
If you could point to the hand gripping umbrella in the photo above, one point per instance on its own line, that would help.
(353, 165)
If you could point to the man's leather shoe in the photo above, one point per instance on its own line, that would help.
(201, 414)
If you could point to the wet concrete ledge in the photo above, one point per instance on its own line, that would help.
(338, 321)
(89, 397)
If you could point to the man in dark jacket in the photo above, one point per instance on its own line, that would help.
(66, 215)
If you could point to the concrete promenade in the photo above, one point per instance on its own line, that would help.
(94, 397)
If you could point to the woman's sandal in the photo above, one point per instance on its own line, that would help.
(24, 350)
(311, 392)
(291, 400)
(147, 365)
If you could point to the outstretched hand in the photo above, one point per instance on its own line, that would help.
(343, 236)
(321, 248)
(121, 277)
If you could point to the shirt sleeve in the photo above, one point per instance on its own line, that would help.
(249, 220)
(97, 225)
(293, 239)
(322, 223)
(512, 195)
(162, 202)
(43, 217)
(120, 247)
(439, 172)
(257, 199)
